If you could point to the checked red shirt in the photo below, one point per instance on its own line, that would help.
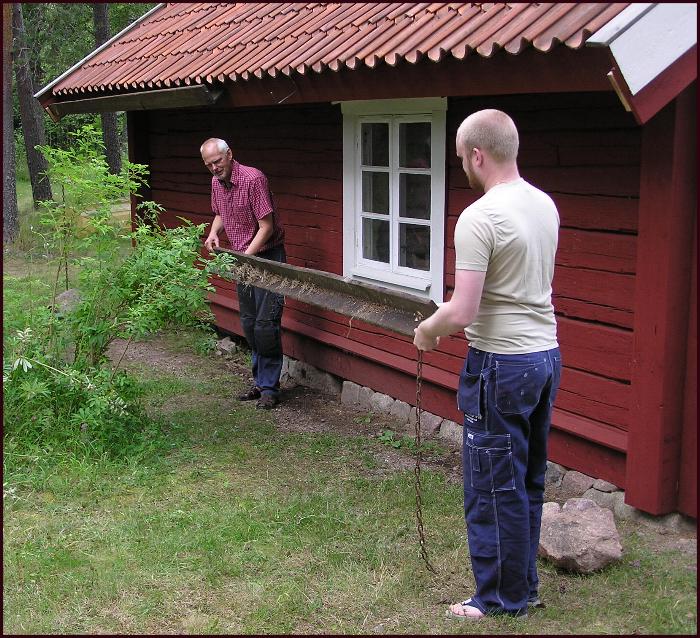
(242, 205)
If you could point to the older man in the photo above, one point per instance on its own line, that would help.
(243, 208)
(505, 245)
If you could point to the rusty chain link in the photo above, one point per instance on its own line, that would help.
(416, 471)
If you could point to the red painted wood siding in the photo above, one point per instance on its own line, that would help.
(583, 149)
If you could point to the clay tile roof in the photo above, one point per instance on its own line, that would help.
(180, 44)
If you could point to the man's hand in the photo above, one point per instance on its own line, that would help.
(212, 240)
(423, 341)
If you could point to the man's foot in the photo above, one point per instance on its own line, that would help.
(250, 395)
(267, 402)
(469, 611)
(465, 610)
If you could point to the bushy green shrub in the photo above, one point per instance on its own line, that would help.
(62, 394)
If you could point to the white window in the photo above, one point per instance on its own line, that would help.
(394, 193)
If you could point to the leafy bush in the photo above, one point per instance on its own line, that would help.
(62, 395)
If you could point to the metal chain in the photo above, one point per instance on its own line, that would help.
(419, 503)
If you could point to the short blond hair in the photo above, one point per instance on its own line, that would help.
(491, 131)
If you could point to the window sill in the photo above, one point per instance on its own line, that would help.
(392, 280)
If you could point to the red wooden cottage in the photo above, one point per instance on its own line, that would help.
(351, 110)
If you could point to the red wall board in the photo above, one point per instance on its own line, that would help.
(598, 212)
(590, 458)
(592, 347)
(596, 250)
(688, 480)
(662, 306)
(587, 311)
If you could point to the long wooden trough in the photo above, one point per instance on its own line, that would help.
(376, 305)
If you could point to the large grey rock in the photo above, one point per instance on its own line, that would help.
(228, 347)
(68, 301)
(580, 536)
(349, 395)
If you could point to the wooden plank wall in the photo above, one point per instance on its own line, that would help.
(583, 149)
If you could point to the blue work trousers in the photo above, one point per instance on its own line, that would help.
(261, 320)
(507, 403)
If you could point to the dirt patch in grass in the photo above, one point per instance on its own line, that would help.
(306, 410)
(302, 409)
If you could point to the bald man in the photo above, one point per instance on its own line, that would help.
(505, 245)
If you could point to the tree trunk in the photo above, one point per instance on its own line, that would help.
(10, 218)
(30, 111)
(110, 134)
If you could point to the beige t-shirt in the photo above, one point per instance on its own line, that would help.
(511, 234)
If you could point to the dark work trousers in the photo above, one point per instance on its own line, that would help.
(261, 320)
(507, 403)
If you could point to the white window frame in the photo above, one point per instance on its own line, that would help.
(427, 284)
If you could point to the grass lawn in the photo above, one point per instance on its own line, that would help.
(241, 527)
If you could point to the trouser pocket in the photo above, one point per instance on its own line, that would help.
(489, 461)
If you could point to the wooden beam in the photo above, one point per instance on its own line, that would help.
(667, 211)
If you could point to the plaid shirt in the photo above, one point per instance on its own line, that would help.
(242, 205)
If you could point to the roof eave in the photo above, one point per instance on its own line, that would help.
(183, 96)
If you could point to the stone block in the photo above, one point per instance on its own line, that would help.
(364, 398)
(381, 403)
(604, 486)
(669, 523)
(349, 395)
(554, 475)
(401, 410)
(603, 499)
(310, 376)
(451, 431)
(429, 424)
(622, 510)
(575, 484)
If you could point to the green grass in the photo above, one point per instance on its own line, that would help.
(236, 527)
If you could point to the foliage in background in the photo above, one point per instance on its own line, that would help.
(61, 395)
(58, 36)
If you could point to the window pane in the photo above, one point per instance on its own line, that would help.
(414, 145)
(375, 144)
(375, 192)
(414, 246)
(414, 196)
(375, 240)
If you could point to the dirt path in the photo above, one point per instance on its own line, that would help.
(302, 409)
